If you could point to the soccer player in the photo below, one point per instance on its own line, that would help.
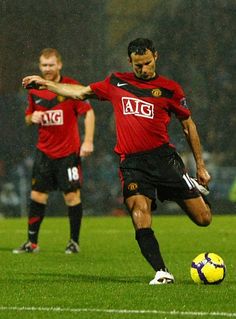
(59, 150)
(143, 103)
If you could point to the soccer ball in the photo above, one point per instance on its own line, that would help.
(208, 268)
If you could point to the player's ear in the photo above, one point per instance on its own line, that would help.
(60, 65)
(156, 56)
(40, 66)
(129, 60)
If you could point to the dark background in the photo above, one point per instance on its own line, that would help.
(195, 40)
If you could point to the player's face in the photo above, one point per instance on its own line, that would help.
(144, 66)
(50, 67)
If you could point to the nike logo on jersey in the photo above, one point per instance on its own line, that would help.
(121, 84)
(38, 101)
(48, 103)
(158, 92)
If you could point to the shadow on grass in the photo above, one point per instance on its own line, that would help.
(86, 278)
(55, 277)
(42, 278)
(60, 250)
(6, 249)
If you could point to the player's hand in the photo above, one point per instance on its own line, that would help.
(37, 117)
(86, 149)
(28, 80)
(203, 177)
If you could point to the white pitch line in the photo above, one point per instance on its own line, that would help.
(121, 311)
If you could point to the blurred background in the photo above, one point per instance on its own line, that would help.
(195, 40)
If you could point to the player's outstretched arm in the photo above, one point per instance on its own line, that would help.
(74, 91)
(193, 139)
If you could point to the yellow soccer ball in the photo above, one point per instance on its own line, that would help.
(208, 268)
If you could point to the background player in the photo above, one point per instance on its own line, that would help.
(57, 162)
(143, 102)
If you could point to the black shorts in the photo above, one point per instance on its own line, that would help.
(50, 174)
(157, 173)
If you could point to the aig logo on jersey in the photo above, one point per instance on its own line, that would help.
(137, 107)
(52, 117)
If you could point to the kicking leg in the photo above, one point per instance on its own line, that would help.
(197, 209)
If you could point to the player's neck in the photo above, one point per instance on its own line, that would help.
(155, 76)
(58, 78)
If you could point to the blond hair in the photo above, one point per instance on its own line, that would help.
(48, 52)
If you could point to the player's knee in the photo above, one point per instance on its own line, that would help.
(140, 208)
(205, 222)
(206, 217)
(39, 197)
(141, 216)
(72, 198)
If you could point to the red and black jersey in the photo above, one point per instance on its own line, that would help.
(142, 109)
(58, 131)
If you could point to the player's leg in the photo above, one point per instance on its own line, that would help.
(75, 213)
(186, 191)
(69, 179)
(139, 207)
(197, 209)
(139, 194)
(41, 185)
(35, 217)
(37, 208)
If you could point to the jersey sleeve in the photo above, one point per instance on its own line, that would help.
(178, 104)
(30, 108)
(101, 89)
(83, 107)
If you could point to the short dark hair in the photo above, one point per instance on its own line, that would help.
(140, 46)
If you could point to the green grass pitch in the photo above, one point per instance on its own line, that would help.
(109, 277)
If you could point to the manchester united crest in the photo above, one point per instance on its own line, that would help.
(132, 186)
(60, 98)
(156, 92)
